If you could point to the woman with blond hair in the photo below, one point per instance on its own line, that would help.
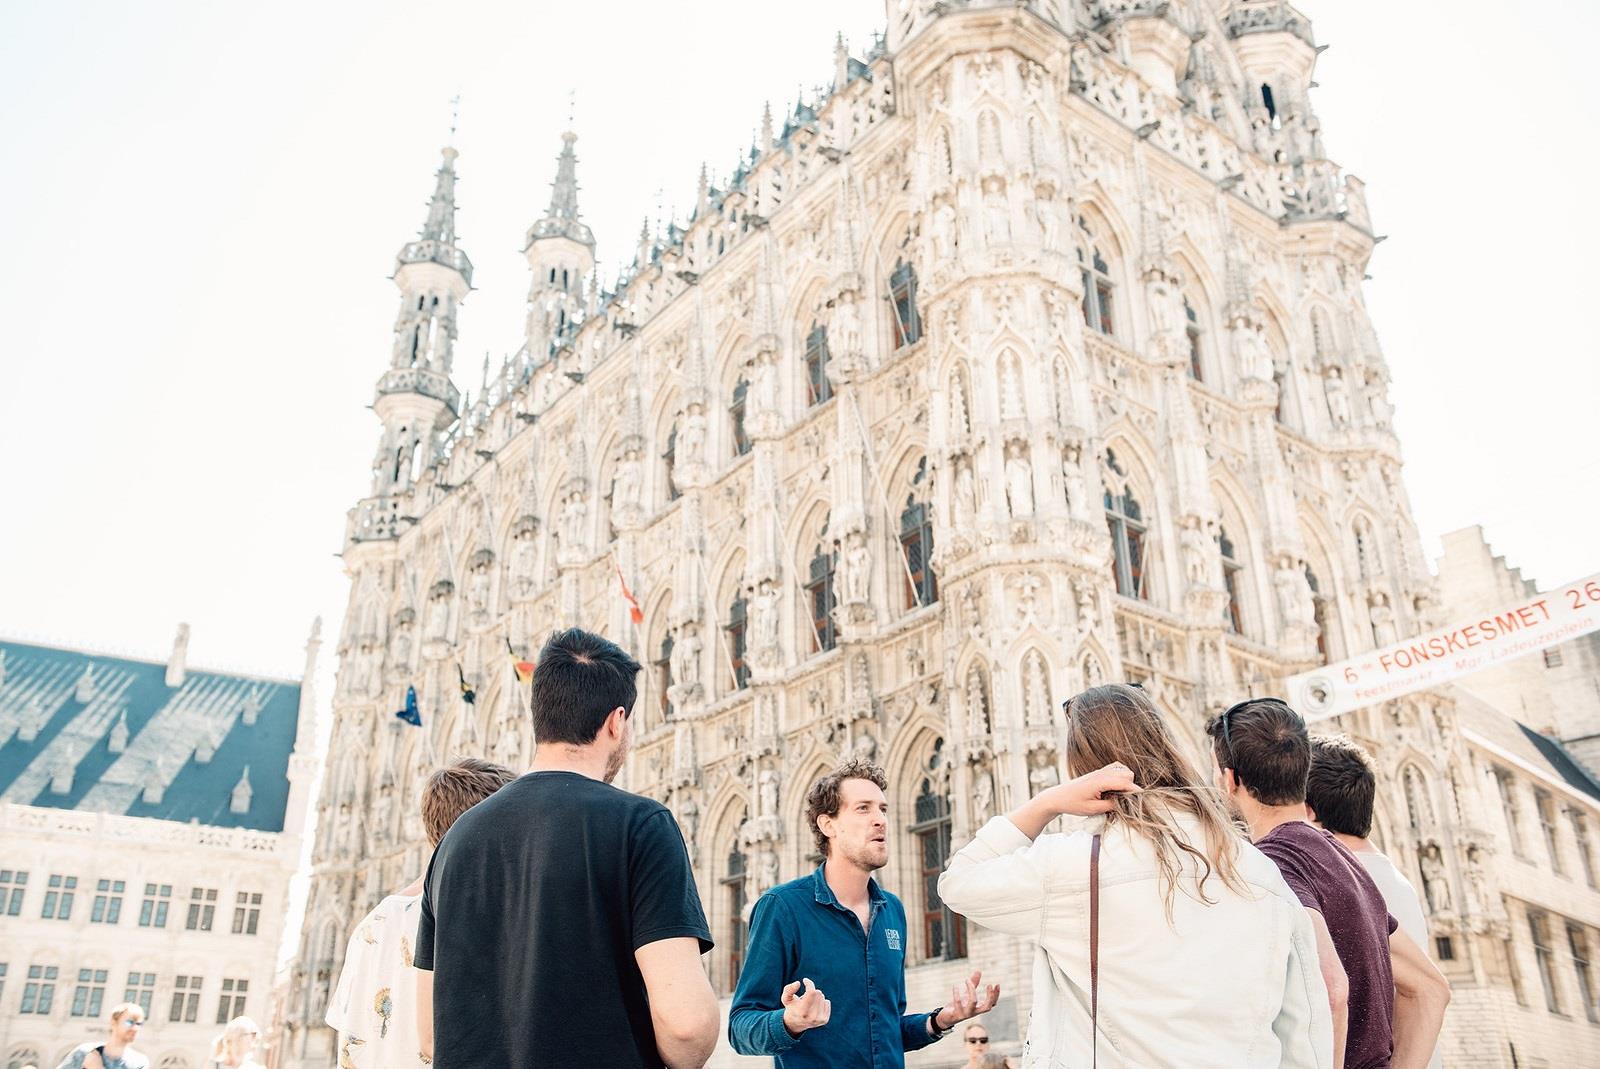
(1163, 937)
(236, 1047)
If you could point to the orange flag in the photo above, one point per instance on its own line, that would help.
(634, 612)
(523, 669)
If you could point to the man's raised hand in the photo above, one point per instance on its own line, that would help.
(804, 1007)
(968, 999)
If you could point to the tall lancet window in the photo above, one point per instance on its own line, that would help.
(735, 895)
(661, 668)
(818, 388)
(1097, 284)
(916, 542)
(1125, 520)
(670, 455)
(736, 409)
(944, 934)
(1191, 329)
(1230, 580)
(820, 597)
(903, 299)
(735, 629)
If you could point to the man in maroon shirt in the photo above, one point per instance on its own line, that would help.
(1388, 999)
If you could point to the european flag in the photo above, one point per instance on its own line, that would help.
(410, 714)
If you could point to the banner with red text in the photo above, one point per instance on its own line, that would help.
(1448, 653)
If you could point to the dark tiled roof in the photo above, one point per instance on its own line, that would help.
(1565, 765)
(164, 732)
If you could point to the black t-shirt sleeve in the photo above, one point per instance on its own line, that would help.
(662, 898)
(423, 958)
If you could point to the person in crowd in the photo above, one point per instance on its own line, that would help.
(116, 1050)
(1387, 998)
(235, 1048)
(975, 1042)
(1340, 791)
(823, 982)
(1205, 959)
(374, 1005)
(560, 925)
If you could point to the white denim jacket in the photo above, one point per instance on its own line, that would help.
(1230, 985)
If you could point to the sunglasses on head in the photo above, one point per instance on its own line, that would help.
(1227, 738)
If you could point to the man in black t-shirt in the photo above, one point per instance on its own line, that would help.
(560, 922)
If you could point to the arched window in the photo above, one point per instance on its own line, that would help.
(944, 934)
(661, 669)
(670, 455)
(1125, 519)
(818, 388)
(1268, 102)
(735, 895)
(1097, 284)
(735, 630)
(741, 439)
(1191, 329)
(916, 541)
(1367, 565)
(820, 596)
(903, 300)
(1230, 580)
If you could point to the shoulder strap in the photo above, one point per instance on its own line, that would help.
(1094, 950)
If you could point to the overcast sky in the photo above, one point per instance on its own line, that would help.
(205, 201)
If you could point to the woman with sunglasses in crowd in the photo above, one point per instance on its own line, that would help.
(1204, 956)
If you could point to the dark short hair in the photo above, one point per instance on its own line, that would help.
(1266, 744)
(1341, 785)
(579, 680)
(825, 796)
(452, 791)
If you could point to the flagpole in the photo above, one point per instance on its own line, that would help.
(727, 654)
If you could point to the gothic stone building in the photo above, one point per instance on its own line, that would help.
(1032, 354)
(150, 820)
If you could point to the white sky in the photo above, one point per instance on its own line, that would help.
(206, 200)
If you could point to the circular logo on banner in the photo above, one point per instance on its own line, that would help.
(1316, 696)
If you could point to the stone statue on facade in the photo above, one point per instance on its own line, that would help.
(996, 213)
(982, 796)
(688, 815)
(1250, 348)
(857, 568)
(1072, 481)
(1435, 883)
(1042, 771)
(625, 483)
(844, 331)
(573, 513)
(478, 582)
(767, 792)
(1019, 481)
(1381, 614)
(966, 504)
(437, 627)
(1294, 596)
(1195, 549)
(524, 558)
(686, 658)
(1338, 397)
(693, 441)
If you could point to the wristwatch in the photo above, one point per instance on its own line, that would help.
(933, 1025)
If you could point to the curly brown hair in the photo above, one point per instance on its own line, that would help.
(824, 796)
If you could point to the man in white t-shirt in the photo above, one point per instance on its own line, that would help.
(374, 1006)
(1339, 798)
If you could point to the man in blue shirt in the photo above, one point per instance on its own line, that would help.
(823, 983)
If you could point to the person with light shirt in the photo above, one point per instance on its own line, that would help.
(1339, 797)
(116, 1050)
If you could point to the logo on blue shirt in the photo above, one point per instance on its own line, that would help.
(893, 937)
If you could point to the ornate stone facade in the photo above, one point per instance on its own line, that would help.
(1032, 355)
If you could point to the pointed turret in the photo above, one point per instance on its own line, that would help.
(560, 251)
(415, 397)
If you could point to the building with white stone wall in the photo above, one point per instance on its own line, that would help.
(1032, 354)
(150, 820)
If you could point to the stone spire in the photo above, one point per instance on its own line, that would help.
(560, 252)
(561, 219)
(441, 224)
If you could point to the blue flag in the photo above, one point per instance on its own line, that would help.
(410, 714)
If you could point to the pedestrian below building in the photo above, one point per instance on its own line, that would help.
(1164, 938)
(116, 1050)
(560, 924)
(823, 983)
(975, 1042)
(1340, 791)
(374, 1006)
(235, 1048)
(1388, 1000)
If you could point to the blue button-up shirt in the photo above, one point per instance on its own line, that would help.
(799, 929)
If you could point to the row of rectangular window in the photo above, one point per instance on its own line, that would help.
(1544, 958)
(1549, 826)
(61, 894)
(89, 993)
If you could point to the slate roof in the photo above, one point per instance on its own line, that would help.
(1515, 737)
(164, 734)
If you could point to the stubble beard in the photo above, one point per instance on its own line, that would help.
(867, 858)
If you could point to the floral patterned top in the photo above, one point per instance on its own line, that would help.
(374, 1007)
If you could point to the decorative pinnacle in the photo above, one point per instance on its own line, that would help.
(561, 220)
(441, 223)
(766, 126)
